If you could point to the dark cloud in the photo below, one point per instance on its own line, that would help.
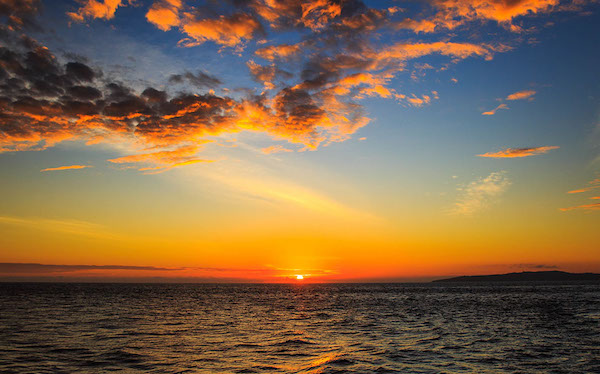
(80, 72)
(200, 79)
(33, 268)
(19, 13)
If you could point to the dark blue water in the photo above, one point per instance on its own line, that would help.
(531, 328)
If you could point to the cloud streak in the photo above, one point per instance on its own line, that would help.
(69, 167)
(65, 226)
(519, 152)
(493, 111)
(34, 268)
(591, 207)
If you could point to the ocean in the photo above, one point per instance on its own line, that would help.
(299, 328)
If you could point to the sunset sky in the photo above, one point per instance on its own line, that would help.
(259, 140)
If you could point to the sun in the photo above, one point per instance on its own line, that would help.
(299, 277)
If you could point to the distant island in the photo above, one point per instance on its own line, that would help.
(526, 276)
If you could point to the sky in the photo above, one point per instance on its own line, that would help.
(259, 140)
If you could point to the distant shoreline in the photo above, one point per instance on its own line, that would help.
(526, 276)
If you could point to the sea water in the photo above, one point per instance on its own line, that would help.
(300, 328)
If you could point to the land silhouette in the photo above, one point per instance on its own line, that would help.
(526, 276)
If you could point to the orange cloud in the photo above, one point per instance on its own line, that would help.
(496, 10)
(165, 160)
(450, 14)
(267, 75)
(586, 189)
(519, 152)
(278, 51)
(493, 111)
(593, 185)
(406, 51)
(225, 30)
(100, 112)
(595, 206)
(96, 9)
(311, 14)
(521, 95)
(275, 149)
(70, 167)
(164, 14)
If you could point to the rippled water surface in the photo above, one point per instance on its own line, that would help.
(383, 328)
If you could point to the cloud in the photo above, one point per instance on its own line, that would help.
(164, 14)
(144, 274)
(595, 206)
(311, 90)
(19, 13)
(580, 190)
(33, 268)
(66, 226)
(451, 14)
(45, 102)
(96, 9)
(593, 184)
(493, 111)
(275, 149)
(535, 266)
(267, 75)
(228, 31)
(69, 167)
(281, 51)
(480, 193)
(199, 80)
(162, 161)
(522, 95)
(519, 152)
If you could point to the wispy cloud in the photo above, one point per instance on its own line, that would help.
(535, 266)
(581, 190)
(522, 95)
(67, 226)
(164, 160)
(29, 268)
(595, 206)
(60, 272)
(493, 111)
(593, 184)
(480, 193)
(69, 167)
(275, 149)
(519, 152)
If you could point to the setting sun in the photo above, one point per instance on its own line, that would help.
(299, 277)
